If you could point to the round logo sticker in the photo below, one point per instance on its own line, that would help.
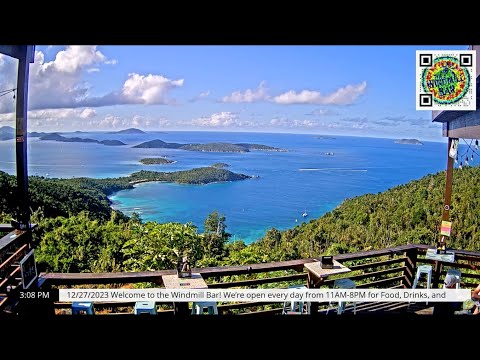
(446, 80)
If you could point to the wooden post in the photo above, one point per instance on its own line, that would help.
(446, 206)
(448, 184)
(23, 215)
(411, 266)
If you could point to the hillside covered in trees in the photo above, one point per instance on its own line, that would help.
(77, 233)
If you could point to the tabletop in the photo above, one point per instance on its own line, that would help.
(314, 268)
(447, 257)
(194, 282)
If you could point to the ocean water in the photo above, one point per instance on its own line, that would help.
(304, 179)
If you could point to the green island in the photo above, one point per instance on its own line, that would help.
(220, 165)
(60, 138)
(128, 131)
(408, 142)
(79, 231)
(209, 147)
(153, 161)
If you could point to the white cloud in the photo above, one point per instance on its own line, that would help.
(138, 121)
(61, 113)
(283, 122)
(249, 95)
(91, 70)
(322, 112)
(150, 89)
(224, 119)
(54, 114)
(343, 96)
(72, 59)
(221, 119)
(201, 96)
(59, 84)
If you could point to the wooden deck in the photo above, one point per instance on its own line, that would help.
(376, 269)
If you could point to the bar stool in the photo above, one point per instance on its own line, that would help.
(199, 307)
(458, 274)
(145, 307)
(343, 284)
(83, 308)
(423, 269)
(296, 307)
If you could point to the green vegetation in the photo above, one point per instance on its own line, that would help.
(210, 147)
(214, 147)
(408, 141)
(203, 175)
(220, 165)
(79, 235)
(128, 131)
(409, 213)
(67, 197)
(152, 161)
(60, 138)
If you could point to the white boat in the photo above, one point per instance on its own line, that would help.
(305, 213)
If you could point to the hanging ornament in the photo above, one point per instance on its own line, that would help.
(460, 166)
(476, 144)
(471, 157)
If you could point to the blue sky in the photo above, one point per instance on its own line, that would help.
(338, 90)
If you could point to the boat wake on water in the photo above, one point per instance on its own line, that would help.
(332, 169)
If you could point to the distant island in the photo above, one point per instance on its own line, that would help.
(152, 161)
(37, 134)
(112, 142)
(219, 165)
(322, 137)
(408, 141)
(209, 147)
(198, 176)
(7, 133)
(60, 138)
(128, 131)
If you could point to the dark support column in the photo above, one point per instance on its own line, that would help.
(23, 215)
(411, 268)
(448, 185)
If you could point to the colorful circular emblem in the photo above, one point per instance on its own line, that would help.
(446, 80)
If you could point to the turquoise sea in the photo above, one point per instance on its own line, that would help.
(304, 179)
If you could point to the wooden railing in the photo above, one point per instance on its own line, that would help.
(13, 247)
(385, 268)
(370, 269)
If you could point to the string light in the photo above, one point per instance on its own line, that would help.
(466, 154)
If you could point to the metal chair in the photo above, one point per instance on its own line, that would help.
(198, 308)
(145, 307)
(296, 307)
(343, 284)
(83, 308)
(423, 269)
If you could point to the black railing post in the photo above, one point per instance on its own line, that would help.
(411, 267)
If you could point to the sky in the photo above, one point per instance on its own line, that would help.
(333, 90)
